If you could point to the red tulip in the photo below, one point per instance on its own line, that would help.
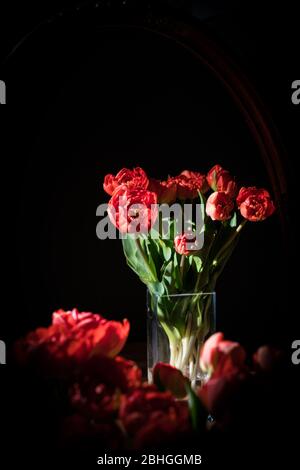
(219, 206)
(166, 191)
(133, 210)
(221, 180)
(189, 183)
(135, 178)
(255, 204)
(186, 244)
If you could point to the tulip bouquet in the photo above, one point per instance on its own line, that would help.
(177, 236)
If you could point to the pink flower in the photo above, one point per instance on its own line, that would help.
(219, 206)
(255, 204)
(186, 244)
(135, 178)
(133, 210)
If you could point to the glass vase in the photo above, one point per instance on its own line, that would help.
(177, 326)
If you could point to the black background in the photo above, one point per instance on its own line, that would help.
(82, 103)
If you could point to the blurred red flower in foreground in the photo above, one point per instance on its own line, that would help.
(102, 400)
(267, 358)
(150, 416)
(98, 386)
(168, 378)
(75, 336)
(224, 361)
(218, 353)
(135, 178)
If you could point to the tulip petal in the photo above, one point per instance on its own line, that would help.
(169, 378)
(109, 339)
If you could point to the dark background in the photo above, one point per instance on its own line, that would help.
(82, 103)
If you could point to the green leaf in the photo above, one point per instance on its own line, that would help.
(168, 278)
(198, 263)
(156, 288)
(197, 410)
(167, 252)
(129, 247)
(151, 255)
(139, 260)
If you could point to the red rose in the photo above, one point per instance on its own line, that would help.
(219, 206)
(133, 210)
(165, 190)
(75, 336)
(222, 355)
(221, 180)
(135, 178)
(255, 204)
(186, 244)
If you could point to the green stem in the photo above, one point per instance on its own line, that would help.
(173, 352)
(223, 264)
(182, 263)
(225, 252)
(205, 265)
(231, 239)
